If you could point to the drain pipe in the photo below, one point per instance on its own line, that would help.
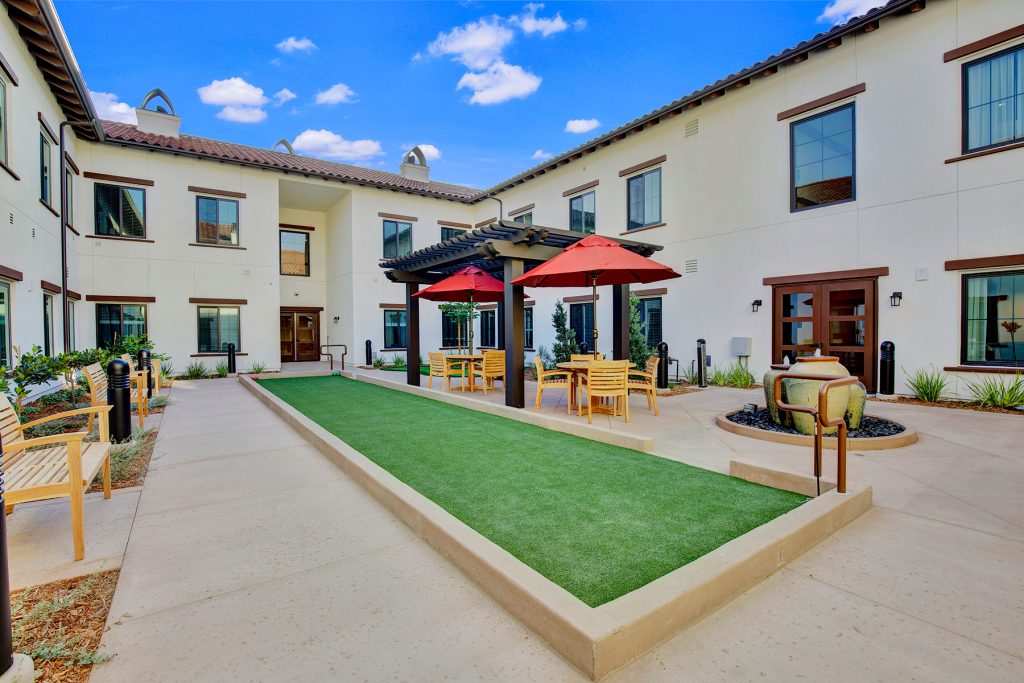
(64, 228)
(501, 208)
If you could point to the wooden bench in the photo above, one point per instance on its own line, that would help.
(96, 376)
(65, 465)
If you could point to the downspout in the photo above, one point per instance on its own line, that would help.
(64, 230)
(501, 208)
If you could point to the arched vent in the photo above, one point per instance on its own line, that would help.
(283, 143)
(416, 157)
(158, 93)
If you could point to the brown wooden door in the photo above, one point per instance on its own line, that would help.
(838, 317)
(287, 336)
(307, 336)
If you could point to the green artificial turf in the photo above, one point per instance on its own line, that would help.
(596, 519)
(424, 369)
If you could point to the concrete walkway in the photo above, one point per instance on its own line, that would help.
(252, 558)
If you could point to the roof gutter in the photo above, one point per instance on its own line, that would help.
(60, 39)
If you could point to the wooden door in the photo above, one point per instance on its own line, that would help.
(307, 336)
(287, 336)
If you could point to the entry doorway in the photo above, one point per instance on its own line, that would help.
(839, 317)
(300, 335)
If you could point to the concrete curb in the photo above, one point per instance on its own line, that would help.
(596, 640)
(879, 443)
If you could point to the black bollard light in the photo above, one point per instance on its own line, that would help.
(584, 349)
(6, 634)
(119, 395)
(146, 365)
(369, 352)
(887, 368)
(663, 365)
(702, 363)
(231, 359)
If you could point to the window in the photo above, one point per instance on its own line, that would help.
(488, 325)
(993, 319)
(71, 324)
(120, 211)
(452, 332)
(581, 321)
(994, 100)
(3, 121)
(294, 253)
(394, 329)
(69, 210)
(822, 159)
(48, 324)
(644, 198)
(450, 233)
(45, 184)
(217, 221)
(582, 213)
(526, 218)
(528, 328)
(218, 327)
(5, 324)
(397, 239)
(650, 316)
(117, 321)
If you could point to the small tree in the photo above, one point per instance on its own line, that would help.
(461, 310)
(639, 350)
(565, 339)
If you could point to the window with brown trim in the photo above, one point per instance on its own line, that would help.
(993, 100)
(5, 324)
(219, 326)
(992, 326)
(822, 159)
(114, 322)
(294, 253)
(217, 221)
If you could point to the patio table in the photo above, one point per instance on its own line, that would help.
(576, 368)
(467, 360)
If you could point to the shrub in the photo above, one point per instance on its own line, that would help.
(928, 385)
(546, 359)
(257, 368)
(166, 370)
(398, 361)
(565, 338)
(717, 377)
(378, 362)
(997, 392)
(740, 377)
(639, 351)
(220, 369)
(196, 370)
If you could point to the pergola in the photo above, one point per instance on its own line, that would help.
(506, 250)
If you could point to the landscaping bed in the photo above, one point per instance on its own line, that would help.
(949, 403)
(870, 427)
(129, 461)
(596, 519)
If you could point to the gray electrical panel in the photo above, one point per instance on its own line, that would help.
(741, 346)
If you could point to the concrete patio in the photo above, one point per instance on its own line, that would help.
(253, 558)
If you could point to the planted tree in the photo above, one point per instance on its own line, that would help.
(565, 339)
(461, 311)
(639, 350)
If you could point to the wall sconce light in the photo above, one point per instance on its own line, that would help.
(336, 319)
(895, 298)
(755, 304)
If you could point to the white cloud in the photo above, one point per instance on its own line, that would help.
(531, 23)
(325, 143)
(841, 11)
(108, 107)
(293, 44)
(283, 95)
(581, 125)
(476, 45)
(339, 93)
(242, 101)
(242, 114)
(430, 152)
(501, 82)
(579, 24)
(541, 155)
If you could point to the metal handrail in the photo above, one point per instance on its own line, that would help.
(821, 419)
(331, 355)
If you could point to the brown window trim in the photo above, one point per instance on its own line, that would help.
(215, 355)
(11, 274)
(6, 67)
(582, 299)
(50, 287)
(490, 220)
(528, 303)
(302, 309)
(521, 209)
(991, 369)
(396, 217)
(643, 165)
(74, 296)
(581, 188)
(986, 262)
(855, 274)
(453, 224)
(822, 101)
(280, 256)
(49, 208)
(391, 307)
(985, 152)
(71, 163)
(984, 43)
(47, 128)
(72, 229)
(120, 239)
(293, 226)
(10, 171)
(487, 307)
(660, 291)
(120, 299)
(646, 227)
(217, 246)
(217, 193)
(217, 302)
(393, 348)
(118, 179)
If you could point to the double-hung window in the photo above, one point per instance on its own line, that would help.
(395, 328)
(48, 342)
(488, 325)
(45, 168)
(117, 321)
(650, 317)
(447, 234)
(643, 194)
(822, 159)
(528, 327)
(217, 221)
(583, 213)
(120, 211)
(397, 239)
(994, 100)
(993, 319)
(218, 327)
(5, 324)
(3, 121)
(581, 322)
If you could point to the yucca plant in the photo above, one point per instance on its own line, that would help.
(196, 370)
(998, 392)
(257, 368)
(220, 369)
(928, 385)
(398, 361)
(718, 377)
(739, 377)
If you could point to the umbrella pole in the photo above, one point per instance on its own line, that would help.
(594, 281)
(469, 322)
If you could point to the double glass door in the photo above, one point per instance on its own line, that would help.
(837, 317)
(300, 336)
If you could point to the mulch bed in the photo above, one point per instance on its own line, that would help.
(870, 427)
(678, 390)
(60, 624)
(132, 472)
(946, 403)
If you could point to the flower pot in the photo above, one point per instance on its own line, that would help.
(778, 417)
(804, 392)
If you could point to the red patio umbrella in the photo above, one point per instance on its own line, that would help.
(469, 284)
(594, 261)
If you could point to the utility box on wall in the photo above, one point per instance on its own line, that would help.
(741, 346)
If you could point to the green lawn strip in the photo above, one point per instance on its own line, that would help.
(598, 520)
(424, 369)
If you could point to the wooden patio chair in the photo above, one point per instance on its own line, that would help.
(491, 368)
(440, 367)
(607, 379)
(56, 466)
(551, 379)
(96, 376)
(645, 380)
(585, 357)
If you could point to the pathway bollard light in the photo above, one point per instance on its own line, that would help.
(702, 363)
(663, 365)
(231, 360)
(119, 395)
(584, 349)
(146, 365)
(14, 668)
(369, 352)
(886, 368)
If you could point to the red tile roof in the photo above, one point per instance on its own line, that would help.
(292, 163)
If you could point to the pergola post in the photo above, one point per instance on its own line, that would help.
(620, 322)
(500, 320)
(412, 335)
(514, 335)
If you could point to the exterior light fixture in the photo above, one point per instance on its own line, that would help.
(755, 304)
(895, 298)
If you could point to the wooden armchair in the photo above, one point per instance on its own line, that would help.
(607, 379)
(551, 379)
(585, 357)
(58, 465)
(645, 381)
(440, 367)
(491, 368)
(96, 376)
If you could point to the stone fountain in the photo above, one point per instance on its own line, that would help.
(847, 402)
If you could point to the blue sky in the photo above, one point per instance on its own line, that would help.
(491, 86)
